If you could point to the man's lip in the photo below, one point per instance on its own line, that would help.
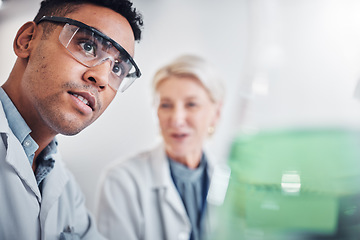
(88, 96)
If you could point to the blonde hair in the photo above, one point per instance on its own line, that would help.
(196, 67)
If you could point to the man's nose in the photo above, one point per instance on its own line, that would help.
(99, 74)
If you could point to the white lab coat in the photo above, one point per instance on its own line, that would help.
(24, 212)
(139, 201)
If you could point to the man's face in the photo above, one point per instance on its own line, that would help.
(64, 95)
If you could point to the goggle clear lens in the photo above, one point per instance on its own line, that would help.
(92, 49)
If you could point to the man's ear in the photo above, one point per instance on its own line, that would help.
(24, 38)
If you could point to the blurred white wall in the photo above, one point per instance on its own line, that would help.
(303, 63)
(285, 63)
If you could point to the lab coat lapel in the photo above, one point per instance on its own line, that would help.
(53, 186)
(16, 157)
(169, 198)
(219, 175)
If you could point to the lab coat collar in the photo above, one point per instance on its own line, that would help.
(161, 169)
(16, 156)
(165, 187)
(168, 194)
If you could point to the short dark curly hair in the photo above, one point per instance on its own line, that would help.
(63, 7)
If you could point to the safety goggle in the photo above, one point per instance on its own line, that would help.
(91, 47)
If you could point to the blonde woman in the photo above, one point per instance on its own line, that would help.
(161, 194)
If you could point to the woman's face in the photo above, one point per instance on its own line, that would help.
(185, 113)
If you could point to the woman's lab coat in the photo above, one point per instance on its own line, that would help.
(27, 214)
(139, 201)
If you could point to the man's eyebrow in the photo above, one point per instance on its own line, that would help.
(98, 30)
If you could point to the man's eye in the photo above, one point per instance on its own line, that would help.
(118, 69)
(89, 48)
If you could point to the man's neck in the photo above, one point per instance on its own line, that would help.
(42, 139)
(41, 134)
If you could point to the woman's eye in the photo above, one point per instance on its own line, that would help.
(191, 104)
(165, 105)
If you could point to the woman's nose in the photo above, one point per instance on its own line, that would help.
(178, 117)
